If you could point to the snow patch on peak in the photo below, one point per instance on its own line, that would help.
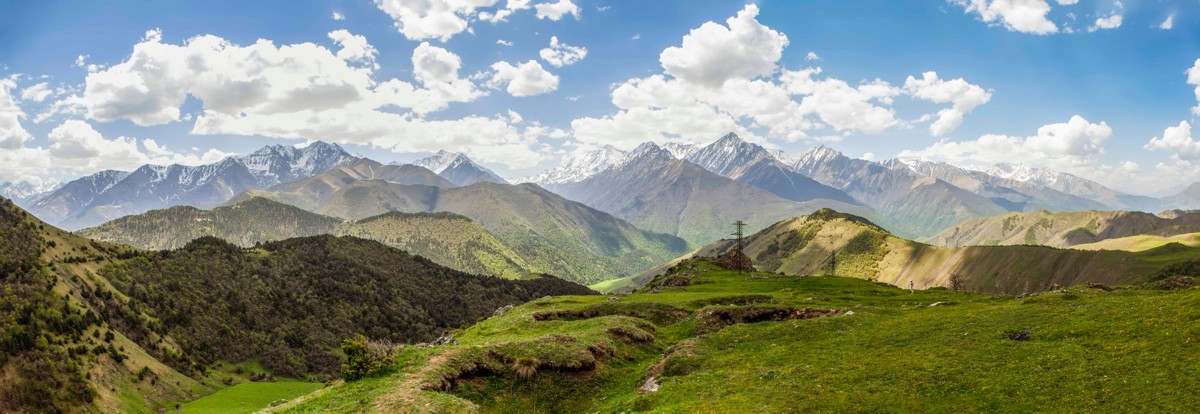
(442, 160)
(584, 162)
(681, 150)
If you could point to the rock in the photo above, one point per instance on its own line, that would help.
(936, 303)
(848, 313)
(504, 309)
(735, 260)
(651, 385)
(613, 299)
(445, 340)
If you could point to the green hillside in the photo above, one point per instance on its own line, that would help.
(445, 238)
(252, 221)
(448, 239)
(549, 233)
(1141, 243)
(831, 243)
(87, 326)
(1063, 229)
(704, 339)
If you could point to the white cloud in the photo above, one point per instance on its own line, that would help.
(713, 53)
(1025, 16)
(80, 61)
(503, 42)
(37, 93)
(1104, 23)
(431, 19)
(842, 106)
(704, 94)
(502, 14)
(1177, 139)
(636, 36)
(1193, 78)
(77, 149)
(1067, 2)
(304, 91)
(1167, 24)
(12, 134)
(354, 48)
(338, 16)
(1073, 146)
(962, 94)
(525, 79)
(812, 56)
(556, 11)
(561, 54)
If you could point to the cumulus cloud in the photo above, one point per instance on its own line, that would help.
(525, 79)
(354, 48)
(1167, 24)
(306, 91)
(75, 148)
(1193, 78)
(12, 134)
(1025, 16)
(962, 94)
(1178, 140)
(432, 19)
(561, 54)
(812, 56)
(714, 53)
(1111, 22)
(503, 42)
(37, 92)
(338, 16)
(705, 93)
(1075, 145)
(556, 11)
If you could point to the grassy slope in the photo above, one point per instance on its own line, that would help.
(804, 246)
(1091, 351)
(1142, 242)
(249, 397)
(445, 238)
(1062, 229)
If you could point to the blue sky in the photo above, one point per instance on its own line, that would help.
(1017, 83)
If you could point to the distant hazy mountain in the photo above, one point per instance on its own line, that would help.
(1064, 229)
(908, 205)
(448, 239)
(1187, 199)
(1074, 185)
(458, 168)
(580, 165)
(655, 191)
(310, 192)
(22, 193)
(552, 234)
(107, 195)
(1009, 193)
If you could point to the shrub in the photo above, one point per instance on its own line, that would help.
(367, 358)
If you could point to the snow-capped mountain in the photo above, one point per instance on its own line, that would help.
(107, 195)
(282, 163)
(581, 164)
(1009, 193)
(681, 150)
(23, 192)
(1074, 185)
(726, 156)
(458, 168)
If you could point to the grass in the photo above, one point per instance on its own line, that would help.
(1142, 242)
(249, 397)
(887, 350)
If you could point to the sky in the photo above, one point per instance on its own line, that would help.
(1107, 90)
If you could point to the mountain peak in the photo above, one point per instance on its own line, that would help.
(582, 163)
(458, 168)
(820, 153)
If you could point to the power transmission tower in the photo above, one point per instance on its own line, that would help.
(739, 224)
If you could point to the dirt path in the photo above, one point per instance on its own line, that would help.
(405, 395)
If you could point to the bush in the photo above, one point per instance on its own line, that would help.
(366, 358)
(525, 367)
